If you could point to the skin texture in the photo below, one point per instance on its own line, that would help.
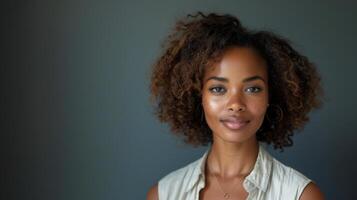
(248, 99)
(234, 152)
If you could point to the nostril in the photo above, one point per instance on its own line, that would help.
(238, 108)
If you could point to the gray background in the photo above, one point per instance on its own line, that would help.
(75, 77)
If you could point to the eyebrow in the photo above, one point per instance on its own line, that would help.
(222, 79)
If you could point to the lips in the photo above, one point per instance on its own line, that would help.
(234, 123)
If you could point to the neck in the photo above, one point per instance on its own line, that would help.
(229, 160)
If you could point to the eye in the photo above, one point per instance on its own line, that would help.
(217, 89)
(254, 89)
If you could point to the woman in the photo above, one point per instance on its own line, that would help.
(221, 84)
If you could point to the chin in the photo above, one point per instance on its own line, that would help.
(227, 137)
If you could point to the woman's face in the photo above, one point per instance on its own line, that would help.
(235, 95)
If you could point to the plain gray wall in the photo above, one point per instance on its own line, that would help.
(75, 85)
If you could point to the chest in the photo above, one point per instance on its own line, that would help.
(230, 190)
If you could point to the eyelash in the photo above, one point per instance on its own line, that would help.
(212, 89)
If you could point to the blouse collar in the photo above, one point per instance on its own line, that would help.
(258, 177)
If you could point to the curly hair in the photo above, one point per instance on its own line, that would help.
(199, 40)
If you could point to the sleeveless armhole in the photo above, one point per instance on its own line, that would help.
(302, 182)
(302, 188)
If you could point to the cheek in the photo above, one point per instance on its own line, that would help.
(212, 106)
(258, 108)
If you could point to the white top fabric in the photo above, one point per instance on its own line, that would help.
(269, 180)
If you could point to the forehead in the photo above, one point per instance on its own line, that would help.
(238, 63)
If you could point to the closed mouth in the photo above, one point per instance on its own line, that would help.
(235, 124)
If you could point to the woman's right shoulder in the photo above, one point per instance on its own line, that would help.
(176, 181)
(153, 193)
(168, 181)
(179, 175)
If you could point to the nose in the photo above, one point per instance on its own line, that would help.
(236, 103)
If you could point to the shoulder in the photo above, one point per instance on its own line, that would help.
(153, 193)
(291, 182)
(312, 192)
(179, 175)
(287, 174)
(174, 184)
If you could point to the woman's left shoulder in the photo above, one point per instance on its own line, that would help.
(293, 182)
(312, 192)
(287, 174)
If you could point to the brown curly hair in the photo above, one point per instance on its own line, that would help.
(199, 40)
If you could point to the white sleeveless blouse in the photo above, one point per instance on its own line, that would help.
(269, 180)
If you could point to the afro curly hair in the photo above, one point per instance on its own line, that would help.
(196, 42)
